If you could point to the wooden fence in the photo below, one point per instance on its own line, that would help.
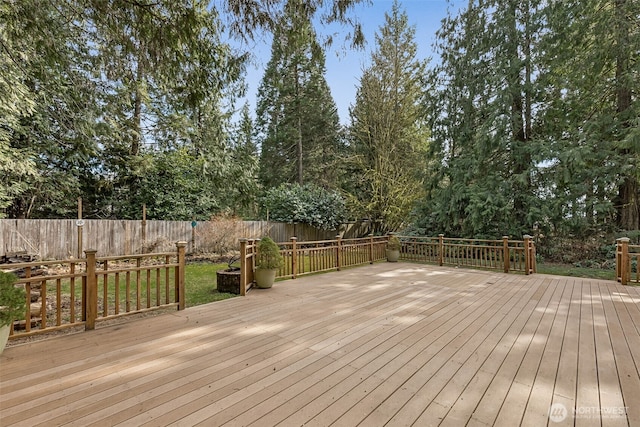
(325, 255)
(79, 292)
(627, 261)
(57, 239)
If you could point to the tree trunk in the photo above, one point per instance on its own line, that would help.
(629, 209)
(628, 203)
(520, 120)
(299, 161)
(137, 105)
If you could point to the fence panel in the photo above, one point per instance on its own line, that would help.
(58, 238)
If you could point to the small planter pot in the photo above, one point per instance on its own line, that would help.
(228, 281)
(265, 278)
(393, 255)
(4, 336)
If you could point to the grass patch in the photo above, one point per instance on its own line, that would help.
(200, 284)
(571, 270)
(200, 287)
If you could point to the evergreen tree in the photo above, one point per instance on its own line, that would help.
(592, 81)
(167, 73)
(98, 97)
(48, 108)
(241, 198)
(388, 134)
(249, 17)
(485, 181)
(296, 115)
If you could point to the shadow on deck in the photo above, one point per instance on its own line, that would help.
(396, 344)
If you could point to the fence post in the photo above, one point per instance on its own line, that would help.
(623, 265)
(180, 294)
(243, 267)
(143, 225)
(505, 253)
(527, 254)
(90, 304)
(338, 251)
(371, 248)
(294, 257)
(440, 250)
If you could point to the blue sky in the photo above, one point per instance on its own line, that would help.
(344, 65)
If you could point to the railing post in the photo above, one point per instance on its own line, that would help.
(371, 248)
(623, 264)
(338, 251)
(505, 253)
(440, 250)
(180, 294)
(534, 263)
(90, 308)
(251, 262)
(294, 257)
(243, 267)
(527, 254)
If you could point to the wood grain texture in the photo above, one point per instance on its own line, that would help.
(384, 344)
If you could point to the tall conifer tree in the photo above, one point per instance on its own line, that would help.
(485, 138)
(296, 115)
(388, 133)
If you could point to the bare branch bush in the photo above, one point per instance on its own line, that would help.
(220, 234)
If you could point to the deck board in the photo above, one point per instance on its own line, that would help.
(387, 344)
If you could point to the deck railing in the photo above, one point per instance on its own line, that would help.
(303, 258)
(505, 254)
(79, 292)
(627, 261)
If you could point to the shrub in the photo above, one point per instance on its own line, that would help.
(219, 235)
(12, 299)
(269, 257)
(393, 243)
(307, 204)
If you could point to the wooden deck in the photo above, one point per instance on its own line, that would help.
(389, 344)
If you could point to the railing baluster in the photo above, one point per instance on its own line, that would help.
(43, 306)
(105, 288)
(58, 302)
(116, 299)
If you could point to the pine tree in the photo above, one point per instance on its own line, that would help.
(241, 198)
(388, 134)
(296, 115)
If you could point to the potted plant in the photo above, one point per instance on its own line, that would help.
(268, 262)
(228, 280)
(393, 249)
(12, 305)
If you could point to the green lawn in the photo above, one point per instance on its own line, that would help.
(570, 270)
(200, 287)
(200, 284)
